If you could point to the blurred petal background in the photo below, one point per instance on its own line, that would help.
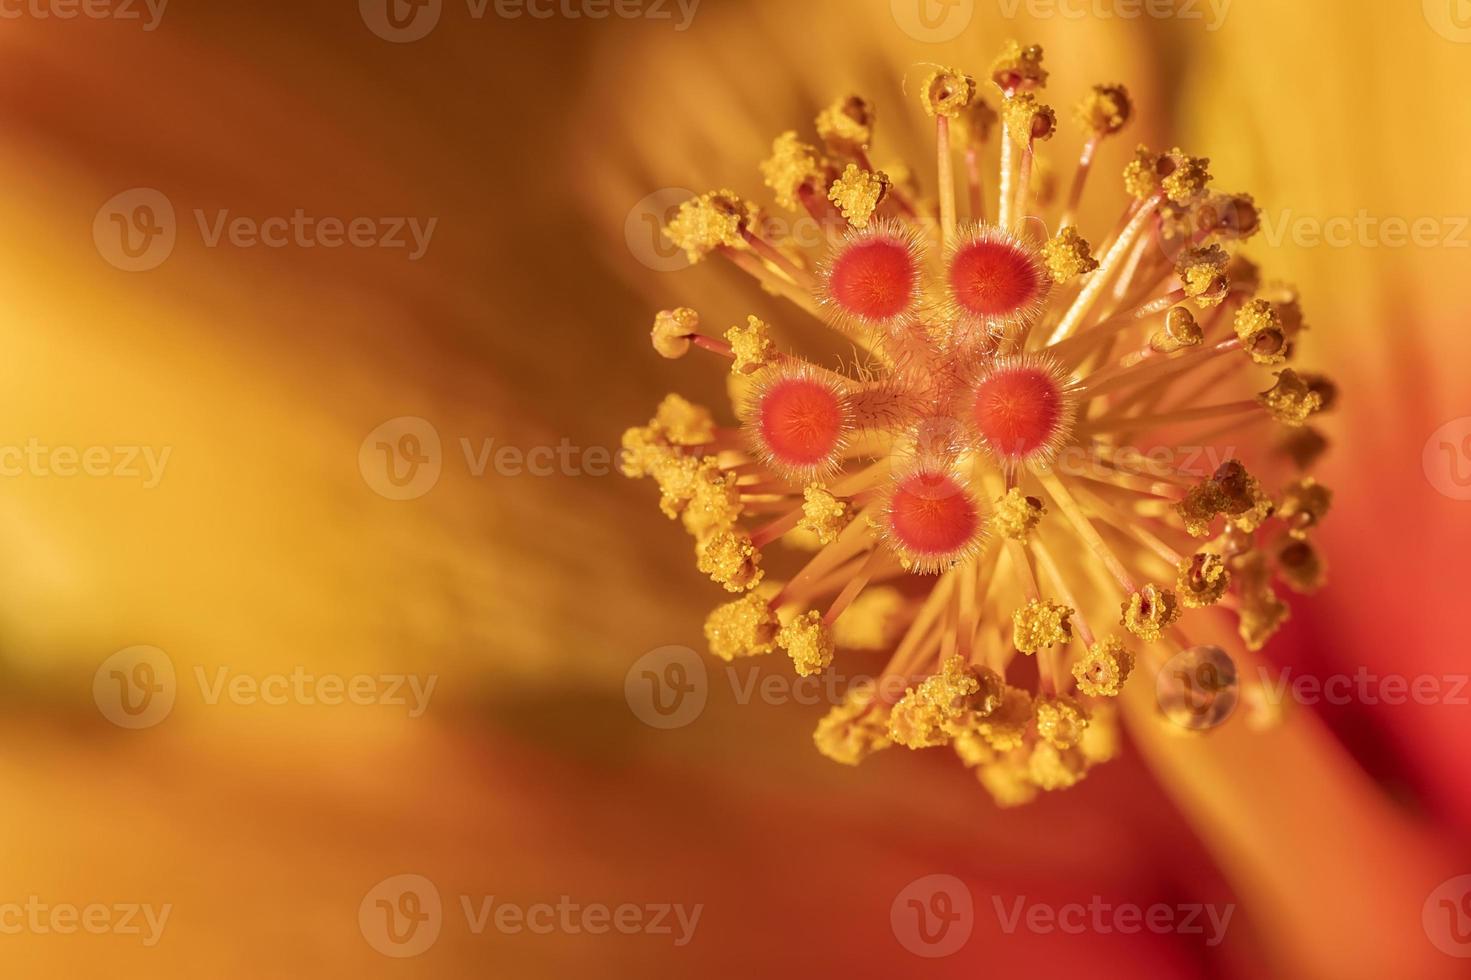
(268, 544)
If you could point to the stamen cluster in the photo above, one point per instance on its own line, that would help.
(1006, 492)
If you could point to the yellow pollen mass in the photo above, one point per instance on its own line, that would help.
(743, 628)
(1051, 768)
(751, 345)
(1041, 623)
(1148, 612)
(1181, 331)
(730, 559)
(792, 165)
(1291, 401)
(684, 422)
(946, 92)
(1259, 328)
(1009, 784)
(1141, 175)
(823, 514)
(1262, 613)
(1005, 728)
(1060, 720)
(846, 126)
(855, 729)
(714, 501)
(1018, 67)
(1027, 119)
(1102, 671)
(673, 330)
(1305, 503)
(1105, 109)
(1017, 515)
(1202, 273)
(809, 643)
(945, 705)
(858, 193)
(1189, 178)
(645, 449)
(1201, 580)
(704, 223)
(1067, 255)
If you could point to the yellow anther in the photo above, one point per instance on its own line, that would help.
(730, 559)
(1102, 671)
(1028, 120)
(946, 92)
(1019, 68)
(858, 193)
(673, 331)
(809, 642)
(743, 628)
(1291, 401)
(1017, 515)
(1041, 623)
(1067, 255)
(707, 222)
(791, 166)
(855, 729)
(1105, 109)
(1149, 611)
(846, 126)
(823, 514)
(751, 345)
(1202, 579)
(1060, 720)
